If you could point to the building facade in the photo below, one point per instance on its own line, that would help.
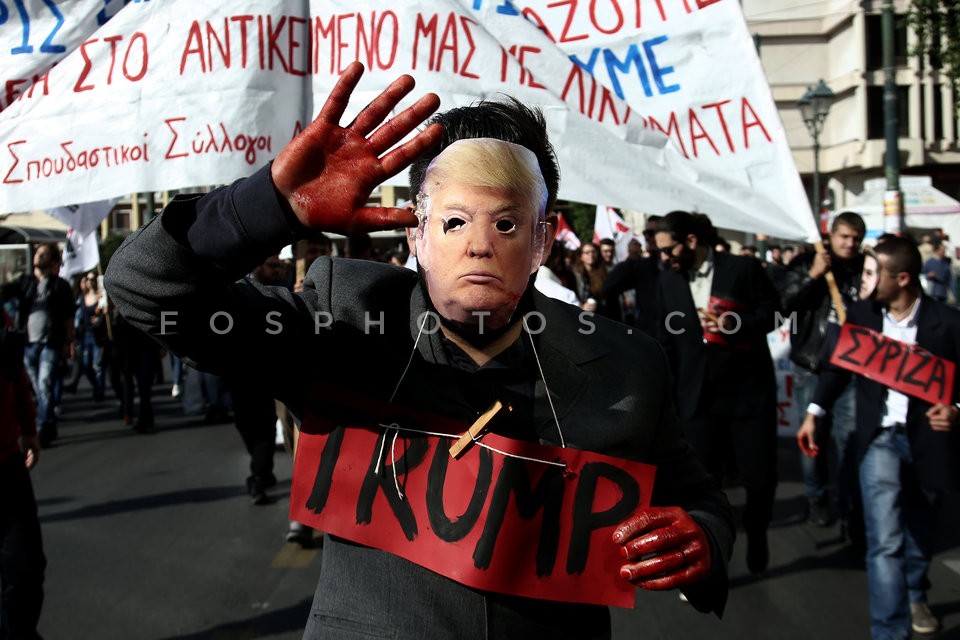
(839, 41)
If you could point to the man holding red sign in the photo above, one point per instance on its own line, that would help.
(716, 310)
(901, 347)
(416, 358)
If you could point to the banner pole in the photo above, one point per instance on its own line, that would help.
(833, 288)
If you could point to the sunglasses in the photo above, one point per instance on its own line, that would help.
(668, 251)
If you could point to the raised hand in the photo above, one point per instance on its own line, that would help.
(327, 172)
(664, 547)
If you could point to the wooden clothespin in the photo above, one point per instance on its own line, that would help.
(477, 428)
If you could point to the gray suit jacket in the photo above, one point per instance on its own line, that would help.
(356, 325)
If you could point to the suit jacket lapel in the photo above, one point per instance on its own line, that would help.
(677, 297)
(560, 353)
(722, 276)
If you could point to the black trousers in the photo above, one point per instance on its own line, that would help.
(255, 415)
(734, 417)
(137, 368)
(22, 562)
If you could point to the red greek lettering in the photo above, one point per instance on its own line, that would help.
(173, 141)
(87, 65)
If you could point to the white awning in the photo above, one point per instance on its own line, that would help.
(34, 226)
(919, 196)
(925, 207)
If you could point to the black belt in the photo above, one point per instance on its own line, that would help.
(899, 427)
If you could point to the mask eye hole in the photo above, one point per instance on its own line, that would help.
(453, 223)
(505, 225)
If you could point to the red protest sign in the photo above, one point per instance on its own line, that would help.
(904, 367)
(510, 517)
(719, 309)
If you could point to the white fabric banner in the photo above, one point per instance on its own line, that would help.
(36, 34)
(789, 414)
(81, 254)
(652, 106)
(84, 218)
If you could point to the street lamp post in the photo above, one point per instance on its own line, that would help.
(892, 197)
(814, 106)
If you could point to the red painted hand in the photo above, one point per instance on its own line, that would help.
(328, 171)
(677, 549)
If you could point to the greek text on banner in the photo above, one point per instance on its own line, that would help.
(904, 367)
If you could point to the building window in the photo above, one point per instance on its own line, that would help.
(875, 116)
(874, 41)
(938, 112)
(120, 219)
(955, 96)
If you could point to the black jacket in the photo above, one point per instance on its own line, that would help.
(641, 276)
(935, 453)
(811, 301)
(746, 360)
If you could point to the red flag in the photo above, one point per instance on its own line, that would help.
(566, 235)
(609, 224)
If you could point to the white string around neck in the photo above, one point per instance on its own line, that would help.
(396, 428)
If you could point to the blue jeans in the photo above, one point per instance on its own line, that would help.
(91, 361)
(842, 426)
(176, 369)
(900, 519)
(41, 363)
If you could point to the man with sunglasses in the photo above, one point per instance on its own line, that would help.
(716, 309)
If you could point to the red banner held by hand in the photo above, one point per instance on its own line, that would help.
(508, 516)
(903, 367)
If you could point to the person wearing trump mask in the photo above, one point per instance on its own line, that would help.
(483, 178)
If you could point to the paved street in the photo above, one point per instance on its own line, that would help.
(153, 537)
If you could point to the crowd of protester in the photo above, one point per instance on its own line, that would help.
(87, 338)
(708, 308)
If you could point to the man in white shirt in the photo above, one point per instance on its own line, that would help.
(906, 450)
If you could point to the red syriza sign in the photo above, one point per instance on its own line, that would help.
(903, 367)
(505, 516)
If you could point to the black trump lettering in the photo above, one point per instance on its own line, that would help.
(521, 490)
(547, 495)
(324, 478)
(447, 529)
(586, 520)
(380, 476)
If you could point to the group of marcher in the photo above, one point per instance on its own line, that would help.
(48, 329)
(891, 452)
(692, 391)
